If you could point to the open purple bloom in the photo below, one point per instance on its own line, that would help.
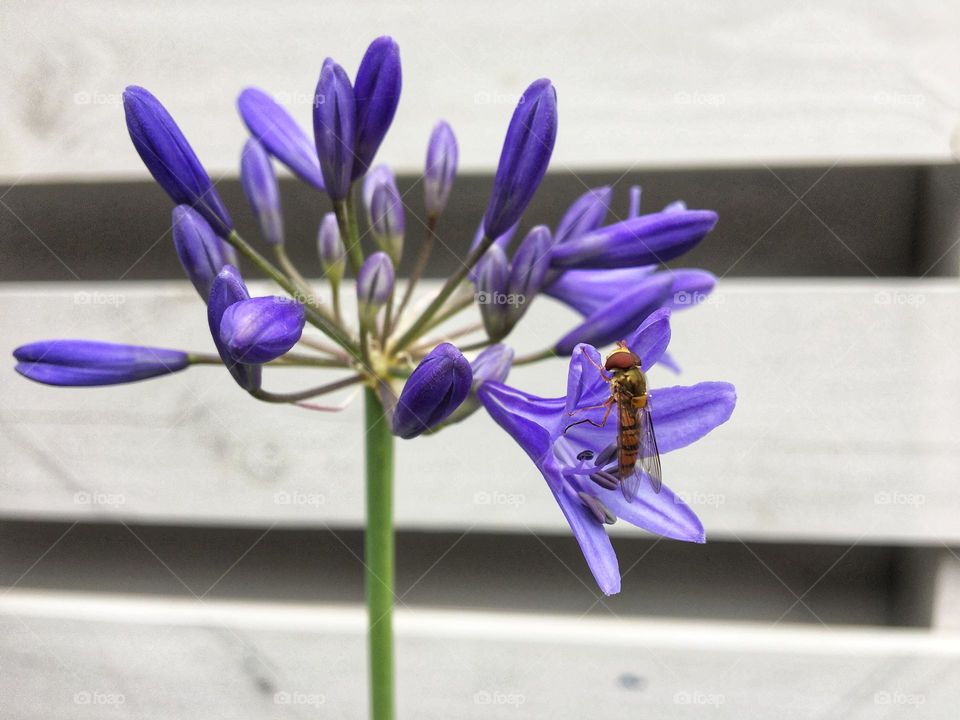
(525, 156)
(335, 128)
(585, 215)
(79, 363)
(280, 134)
(587, 291)
(261, 329)
(437, 387)
(228, 288)
(170, 159)
(198, 247)
(643, 240)
(260, 186)
(568, 461)
(377, 93)
(375, 283)
(441, 168)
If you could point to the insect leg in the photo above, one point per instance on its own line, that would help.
(609, 404)
(603, 373)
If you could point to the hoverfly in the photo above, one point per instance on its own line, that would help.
(637, 454)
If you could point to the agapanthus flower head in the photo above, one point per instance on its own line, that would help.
(525, 156)
(261, 329)
(335, 128)
(585, 214)
(170, 159)
(374, 285)
(330, 249)
(377, 93)
(574, 460)
(528, 270)
(437, 387)
(280, 134)
(385, 213)
(493, 274)
(643, 240)
(260, 186)
(228, 288)
(78, 363)
(198, 247)
(440, 168)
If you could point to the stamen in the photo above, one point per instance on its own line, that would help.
(607, 456)
(605, 479)
(585, 455)
(600, 511)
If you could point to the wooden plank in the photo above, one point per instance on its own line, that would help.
(100, 656)
(845, 428)
(679, 84)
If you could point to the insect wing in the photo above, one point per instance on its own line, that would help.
(648, 460)
(628, 447)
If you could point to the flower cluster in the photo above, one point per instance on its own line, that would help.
(611, 273)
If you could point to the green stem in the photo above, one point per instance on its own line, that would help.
(379, 554)
(535, 357)
(479, 345)
(452, 283)
(271, 397)
(422, 259)
(346, 213)
(306, 293)
(314, 315)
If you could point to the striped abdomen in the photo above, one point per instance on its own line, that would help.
(628, 435)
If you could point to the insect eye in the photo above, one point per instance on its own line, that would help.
(585, 455)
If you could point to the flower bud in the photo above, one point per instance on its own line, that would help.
(437, 387)
(491, 365)
(374, 285)
(377, 93)
(333, 255)
(260, 186)
(170, 159)
(528, 270)
(634, 208)
(386, 218)
(228, 288)
(493, 273)
(585, 215)
(198, 247)
(280, 134)
(261, 329)
(644, 240)
(334, 128)
(503, 242)
(441, 168)
(87, 362)
(525, 156)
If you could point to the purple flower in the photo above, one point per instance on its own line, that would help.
(377, 93)
(87, 362)
(585, 215)
(385, 212)
(528, 270)
(643, 240)
(503, 242)
(437, 387)
(613, 321)
(198, 247)
(374, 285)
(262, 329)
(568, 461)
(634, 208)
(333, 255)
(587, 291)
(441, 168)
(525, 156)
(260, 186)
(280, 134)
(228, 288)
(170, 159)
(334, 128)
(493, 274)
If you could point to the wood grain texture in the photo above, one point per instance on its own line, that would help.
(845, 428)
(640, 82)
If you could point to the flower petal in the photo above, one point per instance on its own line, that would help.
(682, 415)
(527, 418)
(661, 513)
(650, 340)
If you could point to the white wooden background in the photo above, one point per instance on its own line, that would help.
(650, 83)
